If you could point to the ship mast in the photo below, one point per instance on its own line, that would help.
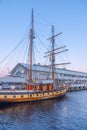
(53, 57)
(53, 51)
(31, 44)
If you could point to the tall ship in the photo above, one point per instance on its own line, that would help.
(35, 90)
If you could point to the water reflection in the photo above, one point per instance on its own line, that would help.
(56, 114)
(28, 113)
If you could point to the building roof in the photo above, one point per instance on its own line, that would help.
(47, 69)
(38, 67)
(12, 79)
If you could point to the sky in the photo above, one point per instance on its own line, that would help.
(67, 16)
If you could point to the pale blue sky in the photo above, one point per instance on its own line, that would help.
(68, 16)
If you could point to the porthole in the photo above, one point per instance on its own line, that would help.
(22, 96)
(14, 96)
(5, 96)
(30, 95)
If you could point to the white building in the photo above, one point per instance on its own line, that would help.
(74, 78)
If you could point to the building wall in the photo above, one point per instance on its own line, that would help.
(74, 78)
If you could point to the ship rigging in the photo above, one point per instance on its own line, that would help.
(38, 90)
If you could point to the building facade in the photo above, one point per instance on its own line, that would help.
(73, 78)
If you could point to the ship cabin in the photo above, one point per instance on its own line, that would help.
(46, 85)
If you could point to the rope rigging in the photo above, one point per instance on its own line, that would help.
(39, 46)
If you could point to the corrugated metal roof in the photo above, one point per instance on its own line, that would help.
(44, 68)
(12, 79)
(37, 67)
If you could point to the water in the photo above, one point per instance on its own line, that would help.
(67, 113)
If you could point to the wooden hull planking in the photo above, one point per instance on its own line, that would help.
(27, 97)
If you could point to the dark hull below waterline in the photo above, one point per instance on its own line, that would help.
(17, 98)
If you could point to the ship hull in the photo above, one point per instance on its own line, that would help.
(26, 96)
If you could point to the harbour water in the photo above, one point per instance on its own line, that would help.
(66, 113)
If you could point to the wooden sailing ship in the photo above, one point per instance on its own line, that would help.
(34, 91)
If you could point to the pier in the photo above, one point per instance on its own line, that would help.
(77, 88)
(78, 85)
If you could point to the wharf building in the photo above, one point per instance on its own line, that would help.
(75, 79)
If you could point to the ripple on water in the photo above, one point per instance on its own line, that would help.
(67, 113)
